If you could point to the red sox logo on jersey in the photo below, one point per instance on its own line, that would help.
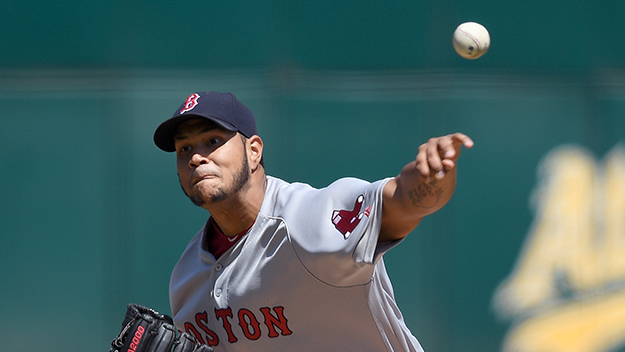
(190, 103)
(346, 220)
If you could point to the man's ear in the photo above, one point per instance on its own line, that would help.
(254, 151)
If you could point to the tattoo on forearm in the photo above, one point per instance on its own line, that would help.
(426, 195)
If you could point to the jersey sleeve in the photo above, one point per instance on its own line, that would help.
(334, 231)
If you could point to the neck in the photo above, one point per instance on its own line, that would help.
(234, 215)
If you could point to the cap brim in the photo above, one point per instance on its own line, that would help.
(165, 132)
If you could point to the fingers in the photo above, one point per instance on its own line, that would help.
(438, 155)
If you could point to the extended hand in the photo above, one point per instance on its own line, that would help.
(438, 156)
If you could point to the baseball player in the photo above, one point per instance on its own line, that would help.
(283, 266)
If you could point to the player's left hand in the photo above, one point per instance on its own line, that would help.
(146, 330)
(438, 155)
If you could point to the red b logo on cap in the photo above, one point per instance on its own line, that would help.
(190, 103)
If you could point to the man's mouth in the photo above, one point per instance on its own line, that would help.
(201, 178)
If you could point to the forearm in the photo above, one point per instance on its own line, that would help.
(409, 197)
(423, 186)
(423, 196)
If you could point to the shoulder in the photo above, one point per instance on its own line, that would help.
(194, 251)
(302, 204)
(279, 190)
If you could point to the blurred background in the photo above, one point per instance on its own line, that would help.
(93, 217)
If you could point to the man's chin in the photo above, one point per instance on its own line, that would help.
(201, 200)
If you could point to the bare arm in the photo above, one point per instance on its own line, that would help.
(422, 187)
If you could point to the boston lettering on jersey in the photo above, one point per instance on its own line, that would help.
(249, 324)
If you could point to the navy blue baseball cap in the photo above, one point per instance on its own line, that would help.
(222, 108)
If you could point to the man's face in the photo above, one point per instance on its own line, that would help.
(212, 162)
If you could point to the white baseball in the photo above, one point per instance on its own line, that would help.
(471, 40)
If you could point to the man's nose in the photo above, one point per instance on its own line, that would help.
(198, 159)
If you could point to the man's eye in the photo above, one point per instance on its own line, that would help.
(185, 149)
(214, 141)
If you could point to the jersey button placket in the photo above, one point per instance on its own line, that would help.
(218, 292)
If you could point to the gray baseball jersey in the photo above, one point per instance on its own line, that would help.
(307, 276)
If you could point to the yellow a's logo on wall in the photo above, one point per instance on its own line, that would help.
(566, 292)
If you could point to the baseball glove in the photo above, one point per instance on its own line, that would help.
(145, 330)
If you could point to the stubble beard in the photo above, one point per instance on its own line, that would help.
(240, 180)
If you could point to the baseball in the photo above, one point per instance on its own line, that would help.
(471, 40)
